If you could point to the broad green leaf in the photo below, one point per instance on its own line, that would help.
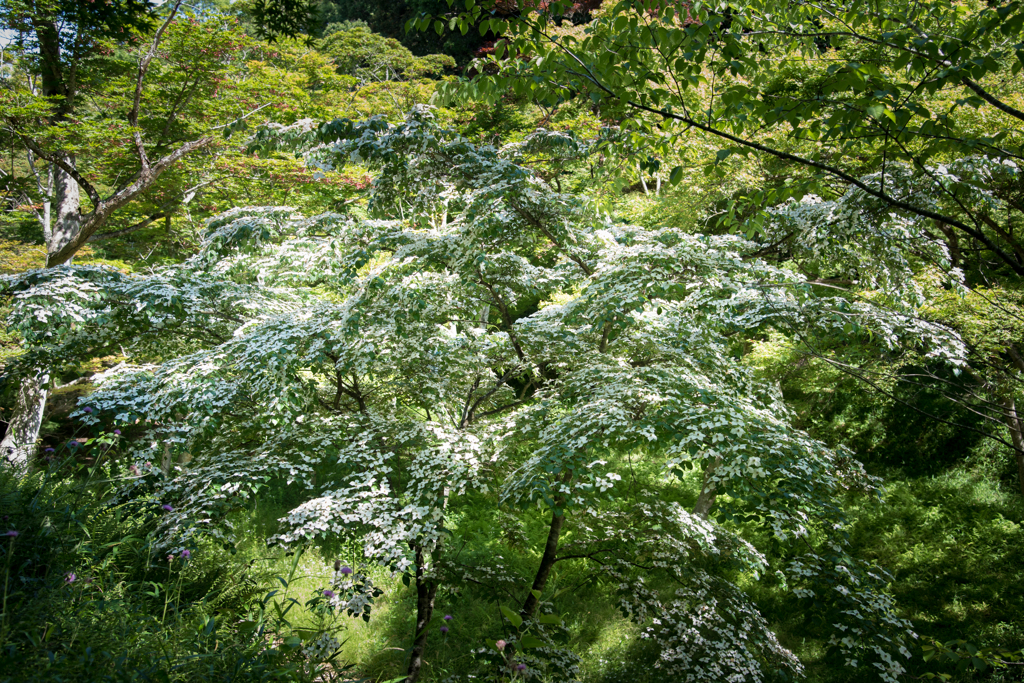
(512, 617)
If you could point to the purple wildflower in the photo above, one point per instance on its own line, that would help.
(185, 554)
(70, 577)
(345, 570)
(328, 593)
(444, 629)
(118, 432)
(73, 443)
(167, 508)
(48, 450)
(520, 667)
(448, 617)
(87, 409)
(12, 533)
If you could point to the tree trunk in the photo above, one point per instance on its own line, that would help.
(19, 443)
(1013, 421)
(61, 225)
(708, 494)
(27, 416)
(426, 589)
(67, 210)
(547, 561)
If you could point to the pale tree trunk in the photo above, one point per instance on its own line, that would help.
(67, 210)
(1013, 421)
(63, 220)
(19, 444)
(708, 492)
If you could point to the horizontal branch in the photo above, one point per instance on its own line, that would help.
(831, 170)
(130, 229)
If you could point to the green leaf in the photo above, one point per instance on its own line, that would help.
(549, 619)
(675, 175)
(512, 617)
(531, 641)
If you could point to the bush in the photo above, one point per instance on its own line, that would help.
(357, 51)
(88, 596)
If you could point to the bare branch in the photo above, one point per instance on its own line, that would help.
(133, 115)
(243, 117)
(130, 229)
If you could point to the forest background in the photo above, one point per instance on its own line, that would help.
(682, 344)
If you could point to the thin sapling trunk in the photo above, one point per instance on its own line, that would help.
(426, 590)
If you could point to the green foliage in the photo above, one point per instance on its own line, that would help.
(87, 596)
(888, 90)
(287, 18)
(431, 66)
(388, 18)
(357, 51)
(967, 657)
(79, 22)
(951, 542)
(547, 437)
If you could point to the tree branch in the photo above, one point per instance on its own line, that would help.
(130, 229)
(57, 160)
(133, 115)
(104, 208)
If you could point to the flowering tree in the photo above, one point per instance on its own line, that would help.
(904, 118)
(481, 328)
(855, 242)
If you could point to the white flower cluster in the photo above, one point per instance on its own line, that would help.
(705, 627)
(321, 647)
(354, 593)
